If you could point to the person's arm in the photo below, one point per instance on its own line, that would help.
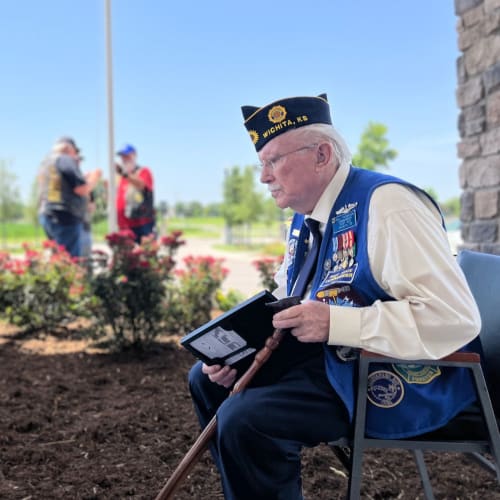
(141, 178)
(135, 179)
(91, 180)
(69, 169)
(434, 312)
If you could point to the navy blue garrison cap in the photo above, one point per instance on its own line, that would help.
(267, 122)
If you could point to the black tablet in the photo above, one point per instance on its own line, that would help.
(235, 335)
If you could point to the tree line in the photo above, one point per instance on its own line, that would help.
(244, 201)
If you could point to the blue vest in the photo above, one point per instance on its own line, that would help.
(403, 400)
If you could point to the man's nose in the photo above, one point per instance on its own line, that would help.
(266, 174)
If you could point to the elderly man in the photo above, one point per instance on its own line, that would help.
(383, 279)
(65, 190)
(134, 201)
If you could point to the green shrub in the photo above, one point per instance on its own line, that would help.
(275, 249)
(267, 268)
(191, 299)
(229, 300)
(131, 288)
(43, 289)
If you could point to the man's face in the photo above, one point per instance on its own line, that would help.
(289, 172)
(128, 162)
(71, 151)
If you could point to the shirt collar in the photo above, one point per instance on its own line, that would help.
(321, 211)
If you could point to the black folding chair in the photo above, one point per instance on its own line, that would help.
(475, 431)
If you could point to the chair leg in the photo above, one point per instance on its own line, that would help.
(489, 417)
(483, 462)
(354, 483)
(424, 476)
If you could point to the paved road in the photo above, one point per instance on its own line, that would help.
(242, 276)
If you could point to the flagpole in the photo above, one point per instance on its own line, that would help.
(112, 225)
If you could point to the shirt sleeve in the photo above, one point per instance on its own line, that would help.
(146, 177)
(70, 171)
(434, 312)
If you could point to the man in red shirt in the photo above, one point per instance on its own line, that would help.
(134, 200)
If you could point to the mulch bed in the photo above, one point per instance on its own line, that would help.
(81, 424)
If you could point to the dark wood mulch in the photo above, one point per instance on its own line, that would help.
(76, 424)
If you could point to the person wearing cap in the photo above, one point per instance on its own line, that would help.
(384, 280)
(65, 193)
(134, 200)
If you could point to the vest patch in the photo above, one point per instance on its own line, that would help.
(344, 276)
(385, 389)
(292, 247)
(346, 353)
(345, 218)
(417, 374)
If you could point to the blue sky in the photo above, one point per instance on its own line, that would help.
(181, 71)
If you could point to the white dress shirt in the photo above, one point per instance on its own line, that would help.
(434, 313)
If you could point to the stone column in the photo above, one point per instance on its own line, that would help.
(478, 97)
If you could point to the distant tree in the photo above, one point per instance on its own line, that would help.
(213, 210)
(270, 211)
(100, 196)
(10, 206)
(432, 193)
(242, 204)
(31, 208)
(162, 209)
(193, 209)
(180, 209)
(451, 207)
(373, 150)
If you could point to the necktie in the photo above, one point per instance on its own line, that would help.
(308, 267)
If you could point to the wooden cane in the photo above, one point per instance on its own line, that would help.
(201, 444)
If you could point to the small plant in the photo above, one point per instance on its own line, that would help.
(229, 300)
(192, 297)
(267, 267)
(132, 288)
(42, 289)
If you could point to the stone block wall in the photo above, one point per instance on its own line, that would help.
(478, 97)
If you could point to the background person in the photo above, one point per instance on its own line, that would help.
(385, 280)
(134, 200)
(41, 190)
(86, 234)
(66, 190)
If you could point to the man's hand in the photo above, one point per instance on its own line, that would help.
(309, 321)
(222, 375)
(119, 169)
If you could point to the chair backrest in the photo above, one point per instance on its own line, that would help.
(482, 272)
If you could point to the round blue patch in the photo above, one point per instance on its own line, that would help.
(385, 389)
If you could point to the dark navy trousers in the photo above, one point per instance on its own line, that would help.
(261, 431)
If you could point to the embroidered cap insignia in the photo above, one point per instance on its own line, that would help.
(277, 114)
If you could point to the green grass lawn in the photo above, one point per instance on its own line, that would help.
(14, 234)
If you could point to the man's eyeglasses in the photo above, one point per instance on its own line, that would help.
(273, 162)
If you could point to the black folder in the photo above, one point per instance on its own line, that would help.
(237, 335)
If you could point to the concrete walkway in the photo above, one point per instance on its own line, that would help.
(243, 276)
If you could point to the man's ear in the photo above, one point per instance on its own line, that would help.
(324, 154)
